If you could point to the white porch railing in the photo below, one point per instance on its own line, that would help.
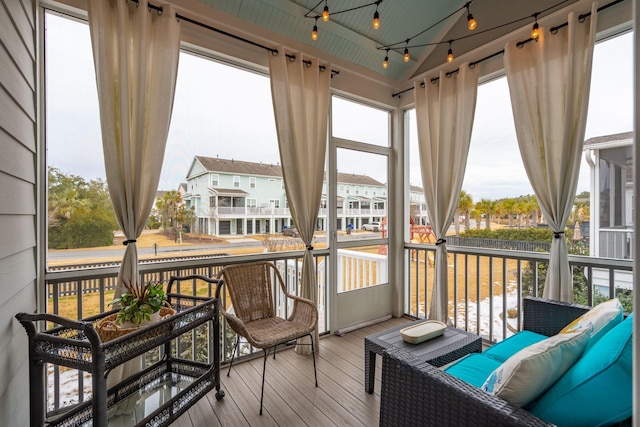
(291, 271)
(486, 285)
(257, 211)
(357, 270)
(78, 293)
(238, 210)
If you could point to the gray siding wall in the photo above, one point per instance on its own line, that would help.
(18, 222)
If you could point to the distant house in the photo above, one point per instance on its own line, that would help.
(236, 197)
(182, 189)
(417, 205)
(610, 159)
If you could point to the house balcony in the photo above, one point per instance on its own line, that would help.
(486, 287)
(234, 212)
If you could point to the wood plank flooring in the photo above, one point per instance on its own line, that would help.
(290, 398)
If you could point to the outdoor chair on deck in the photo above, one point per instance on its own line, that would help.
(255, 312)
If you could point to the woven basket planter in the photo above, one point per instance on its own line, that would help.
(108, 329)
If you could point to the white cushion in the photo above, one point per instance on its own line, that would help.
(531, 371)
(597, 321)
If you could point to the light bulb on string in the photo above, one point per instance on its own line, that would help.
(406, 57)
(314, 33)
(385, 63)
(471, 23)
(325, 13)
(450, 53)
(535, 31)
(376, 20)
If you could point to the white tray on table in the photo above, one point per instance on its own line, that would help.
(423, 331)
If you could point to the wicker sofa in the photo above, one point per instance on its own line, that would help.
(415, 393)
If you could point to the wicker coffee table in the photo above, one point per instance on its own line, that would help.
(439, 351)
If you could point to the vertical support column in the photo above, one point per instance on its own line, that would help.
(636, 206)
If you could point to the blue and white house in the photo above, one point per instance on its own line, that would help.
(236, 197)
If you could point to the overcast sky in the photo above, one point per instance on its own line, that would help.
(222, 111)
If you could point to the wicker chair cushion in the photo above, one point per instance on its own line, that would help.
(473, 369)
(532, 370)
(597, 390)
(507, 348)
(598, 321)
(275, 330)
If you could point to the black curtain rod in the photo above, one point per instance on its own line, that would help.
(553, 30)
(236, 37)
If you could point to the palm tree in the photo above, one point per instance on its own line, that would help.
(533, 210)
(509, 208)
(488, 208)
(465, 204)
(64, 199)
(172, 200)
(520, 209)
(162, 212)
(477, 215)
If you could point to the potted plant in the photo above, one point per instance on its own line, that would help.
(140, 305)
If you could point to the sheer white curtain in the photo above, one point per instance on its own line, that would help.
(549, 83)
(300, 93)
(135, 52)
(444, 115)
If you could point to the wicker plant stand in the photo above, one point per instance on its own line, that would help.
(75, 344)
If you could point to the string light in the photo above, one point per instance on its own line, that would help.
(385, 63)
(314, 33)
(535, 31)
(376, 19)
(325, 12)
(471, 23)
(311, 14)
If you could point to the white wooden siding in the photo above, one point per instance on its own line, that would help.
(17, 202)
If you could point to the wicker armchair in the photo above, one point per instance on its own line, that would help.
(416, 393)
(255, 315)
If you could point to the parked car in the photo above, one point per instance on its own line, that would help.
(290, 231)
(372, 226)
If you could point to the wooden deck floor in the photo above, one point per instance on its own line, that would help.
(290, 398)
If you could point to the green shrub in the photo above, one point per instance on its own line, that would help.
(83, 230)
(523, 234)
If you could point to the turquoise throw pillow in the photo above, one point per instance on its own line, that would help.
(473, 369)
(507, 348)
(597, 390)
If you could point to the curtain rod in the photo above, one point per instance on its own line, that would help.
(552, 30)
(236, 37)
